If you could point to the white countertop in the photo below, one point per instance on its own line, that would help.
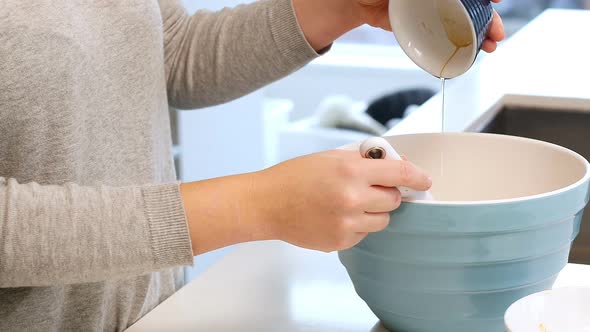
(272, 286)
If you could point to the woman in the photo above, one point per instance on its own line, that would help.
(93, 226)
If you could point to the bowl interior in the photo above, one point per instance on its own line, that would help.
(469, 167)
(562, 309)
(438, 35)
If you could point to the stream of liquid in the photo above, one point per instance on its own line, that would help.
(442, 125)
(459, 34)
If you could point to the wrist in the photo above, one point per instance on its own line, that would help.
(262, 201)
(258, 207)
(225, 211)
(324, 21)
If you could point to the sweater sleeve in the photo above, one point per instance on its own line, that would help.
(56, 235)
(214, 57)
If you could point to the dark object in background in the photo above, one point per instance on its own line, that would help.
(394, 105)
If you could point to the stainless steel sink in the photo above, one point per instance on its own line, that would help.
(570, 129)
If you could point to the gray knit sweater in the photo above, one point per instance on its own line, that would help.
(92, 227)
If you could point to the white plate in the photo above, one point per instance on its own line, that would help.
(558, 310)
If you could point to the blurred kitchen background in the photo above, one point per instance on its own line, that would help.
(320, 107)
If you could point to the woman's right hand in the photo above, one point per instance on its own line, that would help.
(326, 201)
(331, 200)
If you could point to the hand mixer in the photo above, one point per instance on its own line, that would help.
(379, 148)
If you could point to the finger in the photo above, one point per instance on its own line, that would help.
(489, 46)
(496, 32)
(404, 158)
(382, 200)
(395, 173)
(372, 223)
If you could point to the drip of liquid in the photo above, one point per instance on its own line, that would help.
(457, 48)
(458, 31)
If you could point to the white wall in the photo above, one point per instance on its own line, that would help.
(363, 72)
(309, 86)
(222, 140)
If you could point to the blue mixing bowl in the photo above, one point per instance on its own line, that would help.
(506, 214)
